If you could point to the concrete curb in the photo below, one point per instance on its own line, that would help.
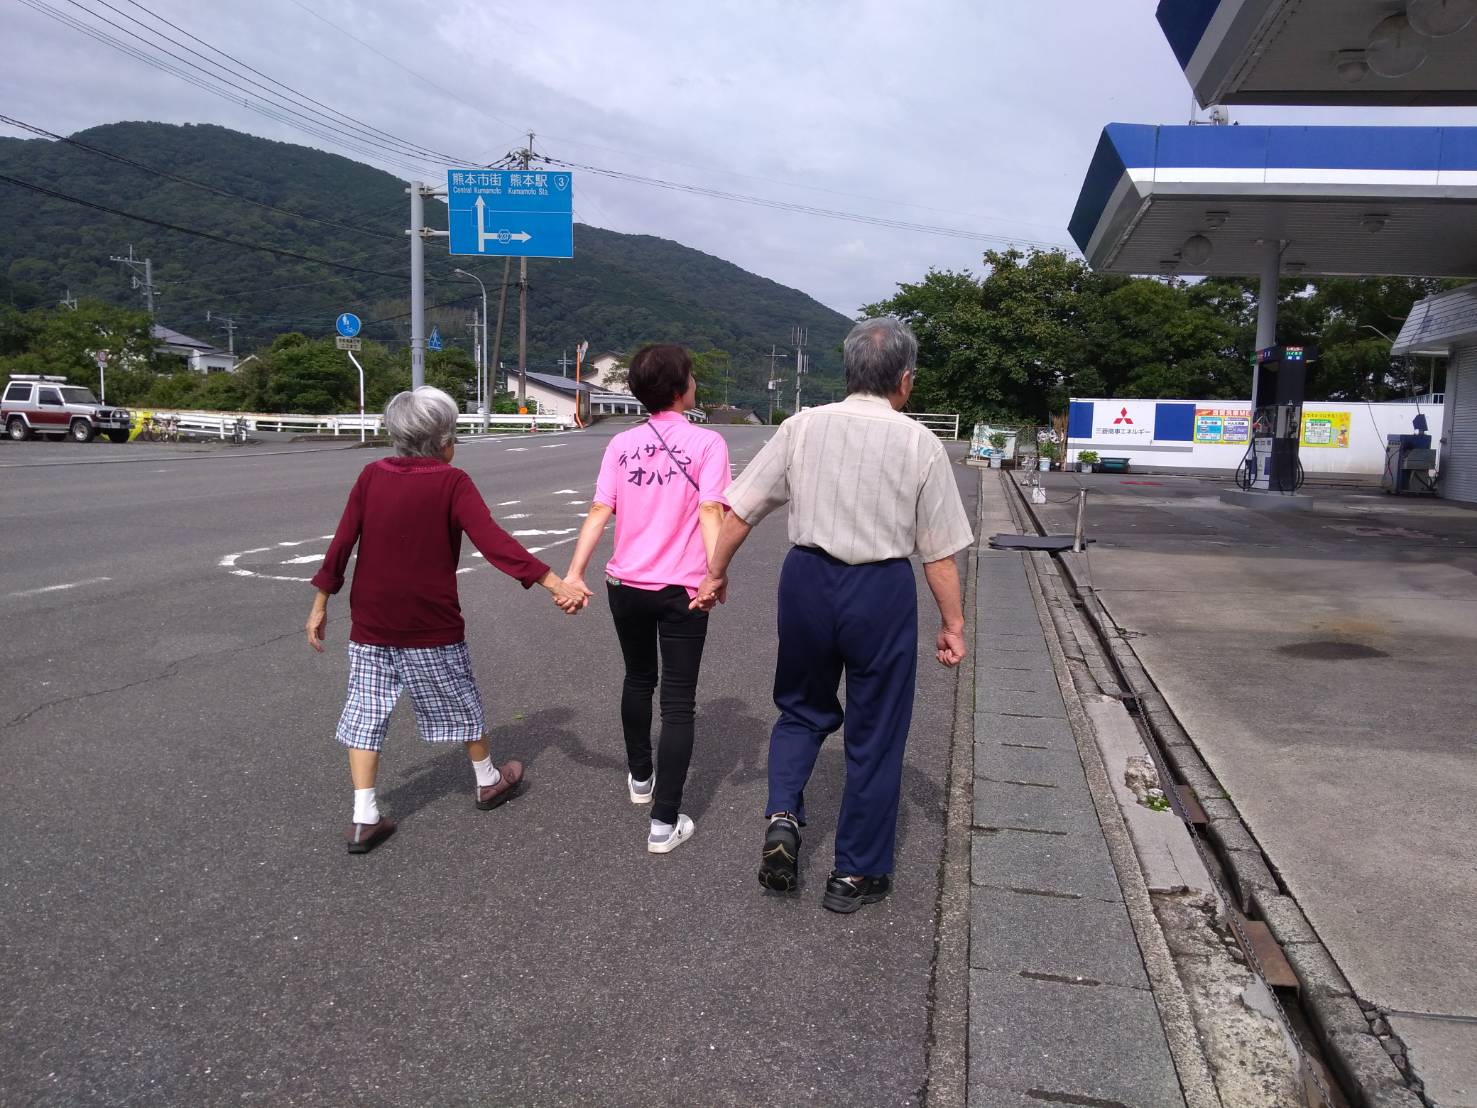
(947, 1051)
(1370, 1077)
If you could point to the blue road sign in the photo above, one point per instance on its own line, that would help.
(347, 324)
(510, 213)
(434, 342)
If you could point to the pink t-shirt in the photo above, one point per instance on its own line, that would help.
(657, 540)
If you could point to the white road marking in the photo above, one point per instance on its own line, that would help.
(554, 446)
(517, 515)
(565, 492)
(59, 588)
(535, 534)
(230, 560)
(508, 503)
(517, 449)
(574, 502)
(561, 542)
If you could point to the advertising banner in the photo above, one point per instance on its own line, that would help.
(1222, 426)
(1329, 429)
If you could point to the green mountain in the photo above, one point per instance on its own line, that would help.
(617, 291)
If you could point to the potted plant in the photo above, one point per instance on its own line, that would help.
(1050, 451)
(997, 449)
(1086, 459)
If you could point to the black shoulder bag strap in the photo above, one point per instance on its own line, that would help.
(679, 465)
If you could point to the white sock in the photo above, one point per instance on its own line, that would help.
(486, 772)
(660, 830)
(366, 809)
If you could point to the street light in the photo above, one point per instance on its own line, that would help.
(482, 383)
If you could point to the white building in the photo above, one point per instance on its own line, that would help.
(200, 356)
(1446, 325)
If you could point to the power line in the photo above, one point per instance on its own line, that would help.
(202, 185)
(364, 133)
(644, 155)
(332, 137)
(801, 209)
(369, 127)
(210, 235)
(417, 75)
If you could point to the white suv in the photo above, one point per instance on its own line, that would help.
(42, 405)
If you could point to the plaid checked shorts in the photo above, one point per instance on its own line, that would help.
(443, 692)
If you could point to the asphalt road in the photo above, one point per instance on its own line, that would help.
(182, 925)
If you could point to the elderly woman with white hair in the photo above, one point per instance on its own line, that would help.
(407, 514)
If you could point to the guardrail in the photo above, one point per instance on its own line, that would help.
(942, 424)
(222, 424)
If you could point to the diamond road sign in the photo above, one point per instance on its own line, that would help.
(510, 213)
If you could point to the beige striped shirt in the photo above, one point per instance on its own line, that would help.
(864, 483)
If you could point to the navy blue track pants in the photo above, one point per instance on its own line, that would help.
(861, 621)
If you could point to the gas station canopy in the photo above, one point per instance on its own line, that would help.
(1356, 201)
(1416, 52)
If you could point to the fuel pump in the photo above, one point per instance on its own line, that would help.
(1271, 463)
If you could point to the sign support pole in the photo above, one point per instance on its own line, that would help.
(360, 368)
(417, 287)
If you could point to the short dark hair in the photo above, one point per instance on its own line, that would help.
(876, 354)
(659, 374)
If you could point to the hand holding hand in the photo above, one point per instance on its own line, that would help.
(568, 599)
(950, 647)
(576, 582)
(712, 591)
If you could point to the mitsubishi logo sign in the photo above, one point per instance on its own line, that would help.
(1125, 422)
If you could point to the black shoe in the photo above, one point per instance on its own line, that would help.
(847, 893)
(779, 863)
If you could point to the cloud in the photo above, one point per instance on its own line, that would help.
(975, 117)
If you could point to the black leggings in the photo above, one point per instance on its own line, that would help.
(648, 621)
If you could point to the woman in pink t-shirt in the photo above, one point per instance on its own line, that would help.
(663, 481)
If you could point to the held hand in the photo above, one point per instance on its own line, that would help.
(950, 647)
(712, 591)
(317, 627)
(576, 581)
(569, 599)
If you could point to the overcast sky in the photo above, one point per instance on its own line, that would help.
(973, 115)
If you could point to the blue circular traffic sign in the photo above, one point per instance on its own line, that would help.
(348, 325)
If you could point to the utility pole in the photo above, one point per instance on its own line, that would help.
(417, 286)
(68, 301)
(144, 266)
(798, 337)
(502, 304)
(229, 327)
(564, 363)
(526, 157)
(773, 383)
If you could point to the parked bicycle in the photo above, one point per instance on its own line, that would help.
(159, 428)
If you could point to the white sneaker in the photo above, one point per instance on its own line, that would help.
(681, 831)
(641, 790)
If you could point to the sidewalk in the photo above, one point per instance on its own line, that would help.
(1321, 663)
(1060, 1007)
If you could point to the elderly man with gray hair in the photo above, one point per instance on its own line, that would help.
(407, 515)
(867, 489)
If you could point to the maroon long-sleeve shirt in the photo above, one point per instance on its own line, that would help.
(407, 516)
